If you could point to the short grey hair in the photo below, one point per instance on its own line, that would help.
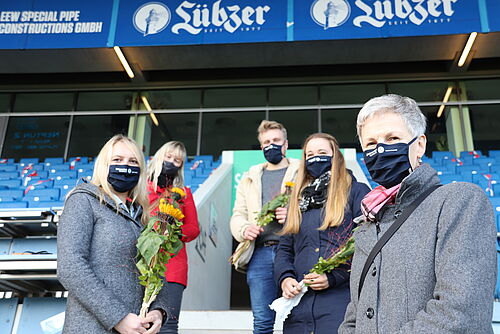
(406, 107)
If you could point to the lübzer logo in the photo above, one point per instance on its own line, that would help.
(151, 18)
(198, 17)
(330, 13)
(378, 13)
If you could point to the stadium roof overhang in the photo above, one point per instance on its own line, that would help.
(365, 59)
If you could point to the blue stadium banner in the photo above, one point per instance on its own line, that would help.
(34, 24)
(342, 19)
(46, 24)
(200, 22)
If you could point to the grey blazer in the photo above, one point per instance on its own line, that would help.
(96, 263)
(438, 272)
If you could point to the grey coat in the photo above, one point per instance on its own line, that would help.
(96, 251)
(438, 272)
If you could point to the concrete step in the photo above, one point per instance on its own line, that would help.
(218, 322)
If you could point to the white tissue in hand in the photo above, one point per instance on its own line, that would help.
(283, 306)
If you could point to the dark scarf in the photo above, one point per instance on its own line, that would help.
(314, 195)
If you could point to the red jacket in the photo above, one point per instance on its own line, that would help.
(177, 267)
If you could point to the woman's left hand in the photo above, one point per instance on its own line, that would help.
(316, 281)
(154, 319)
(280, 214)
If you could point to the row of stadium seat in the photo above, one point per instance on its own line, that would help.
(43, 186)
(34, 311)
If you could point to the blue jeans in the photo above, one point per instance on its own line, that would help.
(263, 289)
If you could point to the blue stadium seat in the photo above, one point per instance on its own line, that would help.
(16, 194)
(495, 202)
(8, 175)
(65, 183)
(36, 310)
(55, 168)
(472, 154)
(64, 192)
(450, 178)
(64, 174)
(8, 307)
(40, 174)
(46, 247)
(53, 161)
(442, 155)
(8, 168)
(11, 184)
(4, 161)
(5, 246)
(45, 204)
(484, 162)
(13, 205)
(483, 177)
(85, 174)
(446, 169)
(494, 154)
(83, 160)
(84, 167)
(27, 161)
(44, 184)
(44, 193)
(32, 200)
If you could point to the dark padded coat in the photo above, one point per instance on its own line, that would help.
(322, 311)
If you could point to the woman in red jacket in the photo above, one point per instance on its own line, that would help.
(166, 170)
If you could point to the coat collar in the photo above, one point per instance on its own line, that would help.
(422, 178)
(95, 191)
(412, 186)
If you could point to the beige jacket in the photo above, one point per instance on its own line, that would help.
(249, 197)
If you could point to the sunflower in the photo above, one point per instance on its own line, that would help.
(171, 210)
(289, 184)
(178, 191)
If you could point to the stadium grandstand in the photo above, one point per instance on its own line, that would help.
(73, 74)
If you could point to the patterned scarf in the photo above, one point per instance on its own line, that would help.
(314, 195)
(376, 199)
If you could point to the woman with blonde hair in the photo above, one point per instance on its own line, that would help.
(96, 242)
(323, 204)
(166, 171)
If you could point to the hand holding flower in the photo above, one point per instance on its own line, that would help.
(281, 214)
(130, 324)
(316, 281)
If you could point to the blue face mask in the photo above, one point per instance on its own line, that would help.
(389, 164)
(123, 178)
(318, 165)
(273, 154)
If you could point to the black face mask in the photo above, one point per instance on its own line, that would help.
(389, 164)
(273, 154)
(318, 165)
(123, 178)
(168, 173)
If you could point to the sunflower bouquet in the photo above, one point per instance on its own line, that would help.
(266, 215)
(159, 241)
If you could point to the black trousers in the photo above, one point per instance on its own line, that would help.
(174, 299)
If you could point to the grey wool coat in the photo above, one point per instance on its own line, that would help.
(438, 272)
(96, 263)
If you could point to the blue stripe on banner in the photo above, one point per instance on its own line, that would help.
(113, 23)
(290, 21)
(483, 15)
